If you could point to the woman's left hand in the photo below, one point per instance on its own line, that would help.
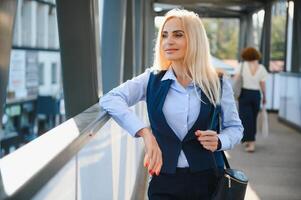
(208, 139)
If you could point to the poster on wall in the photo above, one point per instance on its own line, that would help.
(17, 75)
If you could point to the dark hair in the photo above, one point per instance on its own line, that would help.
(250, 54)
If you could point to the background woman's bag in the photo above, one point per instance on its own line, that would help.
(237, 83)
(232, 185)
(263, 122)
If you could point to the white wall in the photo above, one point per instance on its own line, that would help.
(290, 99)
(48, 88)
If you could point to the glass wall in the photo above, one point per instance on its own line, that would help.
(278, 36)
(34, 93)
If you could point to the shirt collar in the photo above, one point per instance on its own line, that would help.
(171, 76)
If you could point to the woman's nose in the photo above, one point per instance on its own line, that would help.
(169, 40)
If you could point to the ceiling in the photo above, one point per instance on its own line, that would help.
(212, 8)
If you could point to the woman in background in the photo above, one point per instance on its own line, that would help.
(253, 92)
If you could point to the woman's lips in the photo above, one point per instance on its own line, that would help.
(170, 50)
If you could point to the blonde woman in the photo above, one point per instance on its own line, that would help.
(181, 91)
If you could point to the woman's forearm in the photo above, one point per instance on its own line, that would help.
(263, 91)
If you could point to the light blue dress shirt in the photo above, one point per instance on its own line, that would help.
(181, 109)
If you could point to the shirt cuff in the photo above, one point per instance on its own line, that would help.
(224, 142)
(135, 126)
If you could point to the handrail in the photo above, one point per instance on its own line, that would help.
(25, 171)
(295, 74)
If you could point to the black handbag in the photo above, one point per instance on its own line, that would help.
(232, 185)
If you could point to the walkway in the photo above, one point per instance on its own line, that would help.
(274, 169)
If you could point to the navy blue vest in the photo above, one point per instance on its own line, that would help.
(198, 158)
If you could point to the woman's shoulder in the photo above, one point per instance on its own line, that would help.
(150, 72)
(156, 72)
(263, 69)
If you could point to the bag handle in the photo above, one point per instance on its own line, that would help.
(241, 68)
(223, 153)
(216, 114)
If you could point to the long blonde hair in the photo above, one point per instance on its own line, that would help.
(197, 57)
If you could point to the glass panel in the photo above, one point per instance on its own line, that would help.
(257, 19)
(34, 101)
(278, 36)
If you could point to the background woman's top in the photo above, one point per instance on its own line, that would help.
(251, 81)
(181, 109)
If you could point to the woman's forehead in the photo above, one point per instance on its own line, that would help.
(173, 24)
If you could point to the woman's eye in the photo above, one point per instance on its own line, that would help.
(164, 36)
(179, 35)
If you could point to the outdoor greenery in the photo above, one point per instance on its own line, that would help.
(223, 35)
(278, 38)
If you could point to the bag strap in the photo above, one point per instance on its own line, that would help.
(216, 114)
(223, 153)
(241, 68)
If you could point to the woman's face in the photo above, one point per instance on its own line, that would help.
(173, 40)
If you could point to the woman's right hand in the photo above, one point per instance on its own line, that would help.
(153, 154)
(264, 100)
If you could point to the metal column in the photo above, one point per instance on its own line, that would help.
(8, 10)
(113, 43)
(265, 45)
(148, 33)
(296, 46)
(129, 51)
(245, 33)
(138, 26)
(79, 44)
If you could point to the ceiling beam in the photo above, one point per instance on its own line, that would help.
(253, 3)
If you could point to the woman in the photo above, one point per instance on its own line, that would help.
(253, 89)
(181, 95)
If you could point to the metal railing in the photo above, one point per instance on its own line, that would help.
(26, 171)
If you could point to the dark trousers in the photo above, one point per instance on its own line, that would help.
(183, 185)
(249, 104)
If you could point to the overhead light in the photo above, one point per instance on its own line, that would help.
(158, 9)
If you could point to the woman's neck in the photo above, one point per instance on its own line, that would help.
(254, 63)
(180, 71)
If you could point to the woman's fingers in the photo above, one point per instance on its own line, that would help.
(208, 139)
(156, 162)
(146, 160)
(158, 165)
(153, 155)
(210, 147)
(152, 161)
